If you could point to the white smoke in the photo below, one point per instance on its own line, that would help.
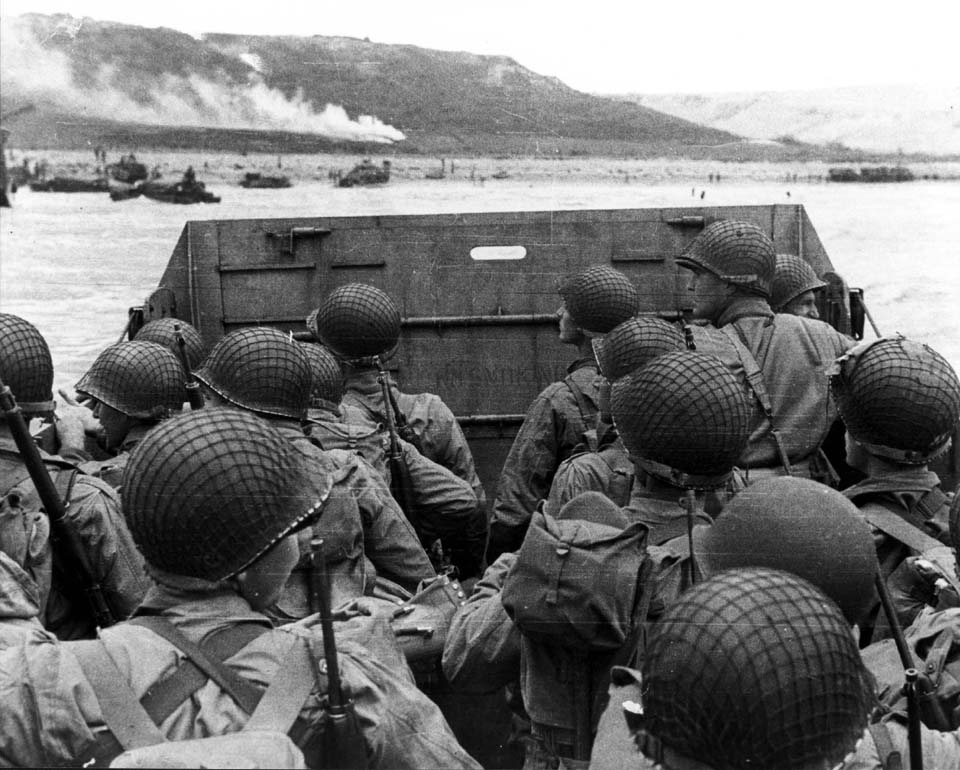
(33, 71)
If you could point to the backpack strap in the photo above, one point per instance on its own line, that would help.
(167, 695)
(127, 720)
(245, 694)
(755, 380)
(588, 410)
(280, 706)
(891, 523)
(890, 758)
(933, 503)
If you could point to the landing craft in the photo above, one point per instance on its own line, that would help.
(478, 295)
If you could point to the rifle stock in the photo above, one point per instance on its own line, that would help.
(343, 744)
(72, 554)
(401, 485)
(194, 396)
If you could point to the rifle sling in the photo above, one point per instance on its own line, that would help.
(892, 524)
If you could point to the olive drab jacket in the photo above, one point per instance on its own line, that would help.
(364, 531)
(793, 355)
(51, 712)
(94, 512)
(554, 425)
(440, 435)
(599, 464)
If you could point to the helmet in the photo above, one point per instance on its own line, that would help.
(357, 321)
(634, 343)
(793, 277)
(25, 364)
(954, 518)
(260, 369)
(599, 298)
(798, 526)
(684, 417)
(736, 252)
(208, 492)
(139, 379)
(754, 668)
(161, 331)
(328, 382)
(899, 399)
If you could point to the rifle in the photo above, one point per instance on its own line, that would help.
(401, 485)
(73, 554)
(404, 429)
(343, 744)
(194, 396)
(924, 695)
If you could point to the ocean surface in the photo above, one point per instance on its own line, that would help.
(73, 263)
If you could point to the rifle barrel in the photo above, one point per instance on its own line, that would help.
(321, 595)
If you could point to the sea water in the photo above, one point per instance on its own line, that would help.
(73, 263)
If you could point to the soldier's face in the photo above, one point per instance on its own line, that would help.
(569, 331)
(262, 582)
(805, 305)
(710, 295)
(115, 424)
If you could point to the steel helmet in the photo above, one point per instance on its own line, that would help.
(599, 298)
(634, 343)
(899, 399)
(794, 276)
(328, 380)
(139, 379)
(736, 252)
(357, 321)
(754, 668)
(207, 493)
(162, 331)
(684, 417)
(260, 369)
(25, 364)
(798, 526)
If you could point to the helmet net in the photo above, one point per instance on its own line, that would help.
(794, 276)
(634, 343)
(599, 298)
(357, 321)
(25, 363)
(163, 332)
(737, 252)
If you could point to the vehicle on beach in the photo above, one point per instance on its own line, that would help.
(166, 192)
(128, 170)
(255, 179)
(871, 174)
(366, 173)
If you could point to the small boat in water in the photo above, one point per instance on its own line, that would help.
(69, 184)
(366, 173)
(129, 170)
(255, 179)
(165, 192)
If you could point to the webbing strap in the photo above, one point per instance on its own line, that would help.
(122, 713)
(891, 523)
(588, 410)
(167, 695)
(932, 503)
(889, 757)
(281, 704)
(243, 693)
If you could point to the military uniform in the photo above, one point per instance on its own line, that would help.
(604, 468)
(553, 427)
(111, 469)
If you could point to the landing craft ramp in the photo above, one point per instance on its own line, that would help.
(477, 291)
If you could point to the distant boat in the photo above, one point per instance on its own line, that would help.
(128, 170)
(256, 180)
(366, 173)
(871, 174)
(69, 184)
(166, 192)
(437, 173)
(500, 174)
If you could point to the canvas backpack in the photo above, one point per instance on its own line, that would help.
(579, 585)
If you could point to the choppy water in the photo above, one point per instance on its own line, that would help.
(73, 263)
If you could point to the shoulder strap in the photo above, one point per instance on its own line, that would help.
(932, 503)
(893, 524)
(243, 692)
(281, 704)
(167, 695)
(889, 757)
(122, 712)
(63, 479)
(588, 410)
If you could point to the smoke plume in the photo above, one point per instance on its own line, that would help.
(33, 71)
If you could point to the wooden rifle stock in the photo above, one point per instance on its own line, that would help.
(343, 744)
(71, 551)
(194, 396)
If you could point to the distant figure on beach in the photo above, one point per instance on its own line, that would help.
(693, 192)
(189, 176)
(703, 194)
(788, 193)
(711, 177)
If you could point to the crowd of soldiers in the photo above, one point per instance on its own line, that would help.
(673, 572)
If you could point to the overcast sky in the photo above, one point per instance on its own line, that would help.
(603, 46)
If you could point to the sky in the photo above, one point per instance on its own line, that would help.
(603, 46)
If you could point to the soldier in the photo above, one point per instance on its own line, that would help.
(360, 324)
(92, 510)
(684, 418)
(594, 301)
(601, 463)
(781, 357)
(163, 331)
(215, 499)
(133, 386)
(900, 402)
(795, 286)
(444, 506)
(752, 668)
(365, 533)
